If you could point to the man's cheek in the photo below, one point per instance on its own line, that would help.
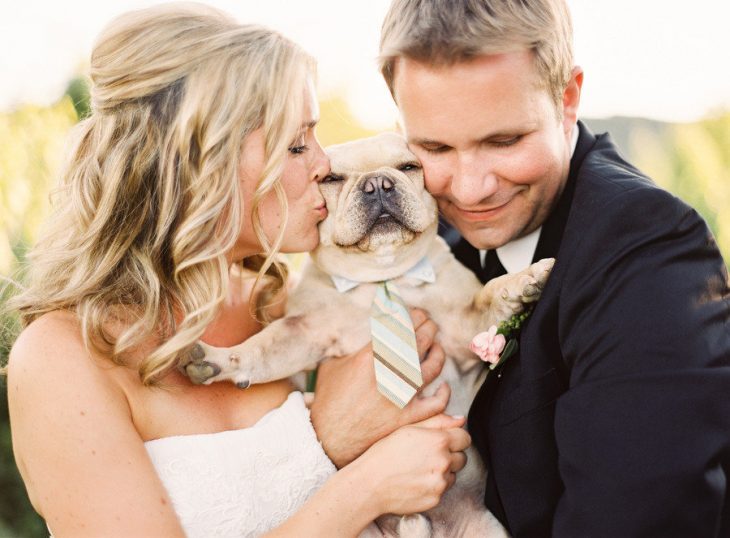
(435, 175)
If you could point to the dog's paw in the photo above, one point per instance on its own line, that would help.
(541, 271)
(508, 294)
(206, 364)
(414, 526)
(527, 285)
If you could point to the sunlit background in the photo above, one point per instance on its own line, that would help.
(657, 78)
(661, 59)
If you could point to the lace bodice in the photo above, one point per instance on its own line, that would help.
(243, 482)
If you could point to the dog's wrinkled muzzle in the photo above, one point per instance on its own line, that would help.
(380, 201)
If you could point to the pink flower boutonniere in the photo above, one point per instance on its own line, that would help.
(488, 345)
(498, 344)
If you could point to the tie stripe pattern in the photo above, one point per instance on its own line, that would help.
(397, 368)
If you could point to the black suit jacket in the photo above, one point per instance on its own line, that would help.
(614, 417)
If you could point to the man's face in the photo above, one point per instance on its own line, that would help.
(494, 149)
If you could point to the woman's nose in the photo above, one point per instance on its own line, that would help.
(321, 167)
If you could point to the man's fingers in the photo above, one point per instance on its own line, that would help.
(445, 422)
(458, 461)
(459, 439)
(433, 364)
(419, 409)
(425, 335)
(450, 480)
(418, 317)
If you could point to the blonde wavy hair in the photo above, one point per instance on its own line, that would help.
(149, 202)
(445, 32)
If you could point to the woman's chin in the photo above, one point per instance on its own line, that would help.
(303, 245)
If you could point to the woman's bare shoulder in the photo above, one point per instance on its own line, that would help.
(51, 350)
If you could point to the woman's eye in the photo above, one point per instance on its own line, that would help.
(408, 167)
(331, 178)
(297, 150)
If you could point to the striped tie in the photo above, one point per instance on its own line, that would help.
(397, 368)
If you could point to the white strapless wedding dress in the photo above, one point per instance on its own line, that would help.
(244, 482)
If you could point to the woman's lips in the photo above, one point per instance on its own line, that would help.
(322, 210)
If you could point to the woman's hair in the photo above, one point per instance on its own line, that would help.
(445, 32)
(149, 201)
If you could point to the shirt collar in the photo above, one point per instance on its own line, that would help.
(423, 271)
(517, 254)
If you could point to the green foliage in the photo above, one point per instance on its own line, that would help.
(78, 92)
(31, 145)
(17, 517)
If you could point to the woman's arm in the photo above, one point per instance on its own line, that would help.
(83, 462)
(88, 474)
(387, 478)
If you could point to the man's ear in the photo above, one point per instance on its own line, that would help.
(571, 98)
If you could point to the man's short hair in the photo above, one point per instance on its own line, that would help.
(445, 32)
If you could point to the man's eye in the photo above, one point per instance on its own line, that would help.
(407, 167)
(507, 142)
(331, 178)
(436, 149)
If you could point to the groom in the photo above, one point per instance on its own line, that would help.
(614, 417)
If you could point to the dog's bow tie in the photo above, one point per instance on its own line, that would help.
(423, 271)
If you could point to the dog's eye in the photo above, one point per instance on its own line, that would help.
(331, 178)
(407, 167)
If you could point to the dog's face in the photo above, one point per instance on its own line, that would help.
(381, 219)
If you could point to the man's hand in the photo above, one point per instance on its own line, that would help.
(348, 412)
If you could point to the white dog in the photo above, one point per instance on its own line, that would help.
(382, 225)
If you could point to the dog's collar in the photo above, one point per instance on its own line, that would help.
(423, 271)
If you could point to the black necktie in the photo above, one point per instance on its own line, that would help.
(492, 266)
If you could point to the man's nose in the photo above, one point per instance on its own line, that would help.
(472, 180)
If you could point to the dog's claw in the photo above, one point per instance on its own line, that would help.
(200, 371)
(197, 353)
(243, 384)
(530, 290)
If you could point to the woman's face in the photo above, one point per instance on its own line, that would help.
(305, 166)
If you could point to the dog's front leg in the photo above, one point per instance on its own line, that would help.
(280, 350)
(486, 305)
(507, 295)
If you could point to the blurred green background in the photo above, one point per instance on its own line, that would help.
(691, 160)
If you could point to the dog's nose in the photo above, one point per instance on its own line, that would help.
(377, 183)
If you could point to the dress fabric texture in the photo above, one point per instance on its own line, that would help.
(243, 482)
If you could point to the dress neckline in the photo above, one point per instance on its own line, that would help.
(291, 399)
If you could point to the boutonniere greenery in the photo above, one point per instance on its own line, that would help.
(499, 343)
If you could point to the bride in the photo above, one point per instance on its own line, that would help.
(199, 159)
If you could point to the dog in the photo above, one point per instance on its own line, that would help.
(382, 223)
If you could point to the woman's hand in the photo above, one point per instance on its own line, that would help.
(404, 473)
(410, 469)
(348, 412)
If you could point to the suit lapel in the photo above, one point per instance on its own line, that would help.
(553, 228)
